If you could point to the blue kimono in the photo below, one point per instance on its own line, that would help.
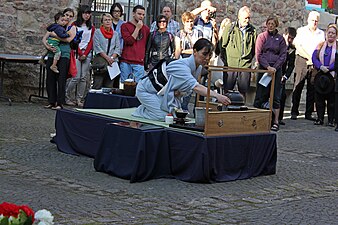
(182, 76)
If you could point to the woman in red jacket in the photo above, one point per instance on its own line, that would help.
(84, 56)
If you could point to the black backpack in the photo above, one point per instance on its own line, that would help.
(74, 44)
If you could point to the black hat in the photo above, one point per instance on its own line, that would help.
(324, 83)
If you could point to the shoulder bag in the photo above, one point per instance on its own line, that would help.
(99, 64)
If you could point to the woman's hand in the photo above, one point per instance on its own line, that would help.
(110, 60)
(82, 58)
(223, 99)
(270, 68)
(51, 48)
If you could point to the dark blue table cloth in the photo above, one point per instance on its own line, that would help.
(143, 154)
(196, 158)
(79, 133)
(136, 154)
(109, 101)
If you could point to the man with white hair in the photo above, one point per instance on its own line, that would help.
(306, 41)
(238, 50)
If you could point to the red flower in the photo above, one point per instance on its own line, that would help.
(9, 209)
(29, 212)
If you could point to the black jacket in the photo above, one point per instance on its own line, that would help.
(159, 46)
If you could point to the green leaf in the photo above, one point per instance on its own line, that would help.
(4, 220)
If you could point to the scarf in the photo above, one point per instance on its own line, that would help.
(107, 34)
(332, 57)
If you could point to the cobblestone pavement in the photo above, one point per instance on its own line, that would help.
(34, 172)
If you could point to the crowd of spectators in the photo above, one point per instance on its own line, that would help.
(308, 52)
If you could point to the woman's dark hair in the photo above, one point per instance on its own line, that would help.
(203, 43)
(68, 10)
(159, 18)
(79, 20)
(118, 5)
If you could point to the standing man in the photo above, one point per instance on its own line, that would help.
(306, 41)
(206, 22)
(238, 50)
(135, 35)
(173, 26)
(287, 68)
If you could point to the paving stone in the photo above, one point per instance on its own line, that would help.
(34, 172)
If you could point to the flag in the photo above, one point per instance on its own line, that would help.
(330, 4)
(315, 2)
(324, 4)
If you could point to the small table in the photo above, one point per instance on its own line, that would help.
(109, 101)
(14, 58)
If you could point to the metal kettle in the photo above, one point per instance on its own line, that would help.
(236, 98)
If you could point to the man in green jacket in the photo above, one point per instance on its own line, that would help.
(238, 50)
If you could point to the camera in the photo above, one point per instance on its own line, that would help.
(212, 15)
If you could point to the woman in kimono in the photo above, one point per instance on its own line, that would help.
(182, 73)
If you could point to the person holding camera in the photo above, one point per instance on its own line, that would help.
(206, 22)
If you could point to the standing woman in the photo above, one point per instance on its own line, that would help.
(84, 56)
(107, 45)
(160, 44)
(323, 59)
(56, 82)
(116, 11)
(271, 53)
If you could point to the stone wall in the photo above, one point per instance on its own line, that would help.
(22, 26)
(290, 12)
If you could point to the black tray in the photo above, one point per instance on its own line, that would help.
(187, 126)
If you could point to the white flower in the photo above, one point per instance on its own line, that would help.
(44, 217)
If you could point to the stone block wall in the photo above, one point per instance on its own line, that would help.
(290, 12)
(22, 26)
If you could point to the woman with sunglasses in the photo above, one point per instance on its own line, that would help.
(156, 104)
(160, 44)
(56, 82)
(77, 85)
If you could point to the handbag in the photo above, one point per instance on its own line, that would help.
(99, 64)
(72, 65)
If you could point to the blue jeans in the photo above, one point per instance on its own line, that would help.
(135, 69)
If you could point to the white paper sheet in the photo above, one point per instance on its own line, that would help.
(265, 80)
(113, 70)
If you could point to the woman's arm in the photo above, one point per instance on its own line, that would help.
(202, 90)
(316, 62)
(47, 46)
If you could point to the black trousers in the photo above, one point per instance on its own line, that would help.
(103, 80)
(325, 101)
(336, 107)
(282, 102)
(56, 82)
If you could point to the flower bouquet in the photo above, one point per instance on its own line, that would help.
(11, 214)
